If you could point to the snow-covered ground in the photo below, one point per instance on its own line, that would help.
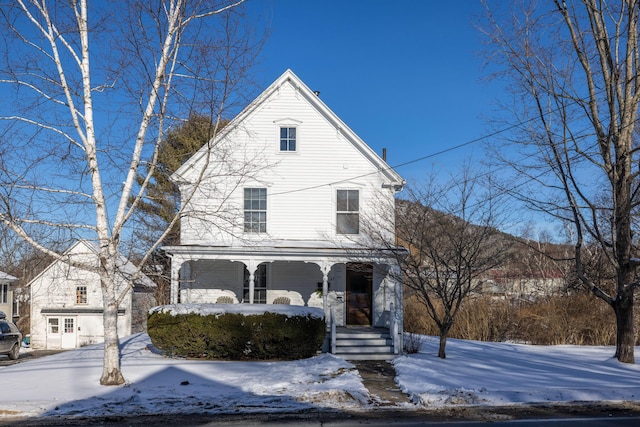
(474, 373)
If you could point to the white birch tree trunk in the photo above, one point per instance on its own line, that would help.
(78, 199)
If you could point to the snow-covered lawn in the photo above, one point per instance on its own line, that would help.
(474, 373)
(486, 373)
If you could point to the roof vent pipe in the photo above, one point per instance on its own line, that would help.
(317, 93)
(384, 154)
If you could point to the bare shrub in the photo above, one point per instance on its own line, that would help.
(569, 319)
(416, 320)
(412, 343)
(553, 320)
(484, 318)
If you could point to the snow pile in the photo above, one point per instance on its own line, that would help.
(246, 309)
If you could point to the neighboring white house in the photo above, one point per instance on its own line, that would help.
(66, 301)
(275, 206)
(6, 294)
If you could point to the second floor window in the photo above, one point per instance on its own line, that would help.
(81, 294)
(287, 139)
(255, 210)
(348, 207)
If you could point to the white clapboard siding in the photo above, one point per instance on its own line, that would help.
(301, 186)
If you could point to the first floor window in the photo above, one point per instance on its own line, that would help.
(4, 293)
(348, 216)
(255, 210)
(81, 294)
(260, 287)
(53, 325)
(68, 326)
(287, 139)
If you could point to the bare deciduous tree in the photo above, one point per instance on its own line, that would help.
(89, 93)
(450, 232)
(574, 68)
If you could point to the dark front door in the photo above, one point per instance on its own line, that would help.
(359, 289)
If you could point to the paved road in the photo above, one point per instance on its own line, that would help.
(400, 419)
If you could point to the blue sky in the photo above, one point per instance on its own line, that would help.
(405, 75)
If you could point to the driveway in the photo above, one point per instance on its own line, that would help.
(27, 355)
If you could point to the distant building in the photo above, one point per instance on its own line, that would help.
(514, 284)
(67, 304)
(7, 283)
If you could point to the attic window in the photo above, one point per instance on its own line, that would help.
(287, 139)
(81, 294)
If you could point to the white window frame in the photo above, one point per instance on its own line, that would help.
(261, 284)
(69, 325)
(288, 140)
(288, 123)
(4, 293)
(51, 325)
(79, 294)
(348, 211)
(251, 210)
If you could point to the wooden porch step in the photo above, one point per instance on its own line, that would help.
(364, 344)
(351, 341)
(367, 356)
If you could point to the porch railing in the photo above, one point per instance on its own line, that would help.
(393, 326)
(332, 322)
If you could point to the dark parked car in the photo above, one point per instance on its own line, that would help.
(10, 338)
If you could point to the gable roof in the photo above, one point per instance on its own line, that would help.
(126, 267)
(7, 278)
(288, 77)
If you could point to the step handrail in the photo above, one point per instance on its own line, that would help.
(332, 322)
(394, 328)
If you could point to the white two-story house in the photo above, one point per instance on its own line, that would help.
(275, 207)
(67, 303)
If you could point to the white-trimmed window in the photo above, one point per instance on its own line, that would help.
(81, 294)
(255, 210)
(260, 285)
(68, 326)
(288, 139)
(4, 294)
(348, 212)
(54, 326)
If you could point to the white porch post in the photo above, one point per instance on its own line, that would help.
(325, 268)
(176, 264)
(396, 275)
(252, 267)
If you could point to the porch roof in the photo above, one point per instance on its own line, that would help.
(287, 250)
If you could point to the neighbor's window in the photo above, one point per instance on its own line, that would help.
(348, 218)
(81, 294)
(255, 210)
(68, 326)
(4, 292)
(287, 139)
(53, 325)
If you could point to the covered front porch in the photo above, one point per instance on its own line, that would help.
(354, 287)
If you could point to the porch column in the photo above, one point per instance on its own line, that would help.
(395, 274)
(176, 264)
(252, 267)
(325, 268)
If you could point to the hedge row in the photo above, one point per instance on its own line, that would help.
(233, 336)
